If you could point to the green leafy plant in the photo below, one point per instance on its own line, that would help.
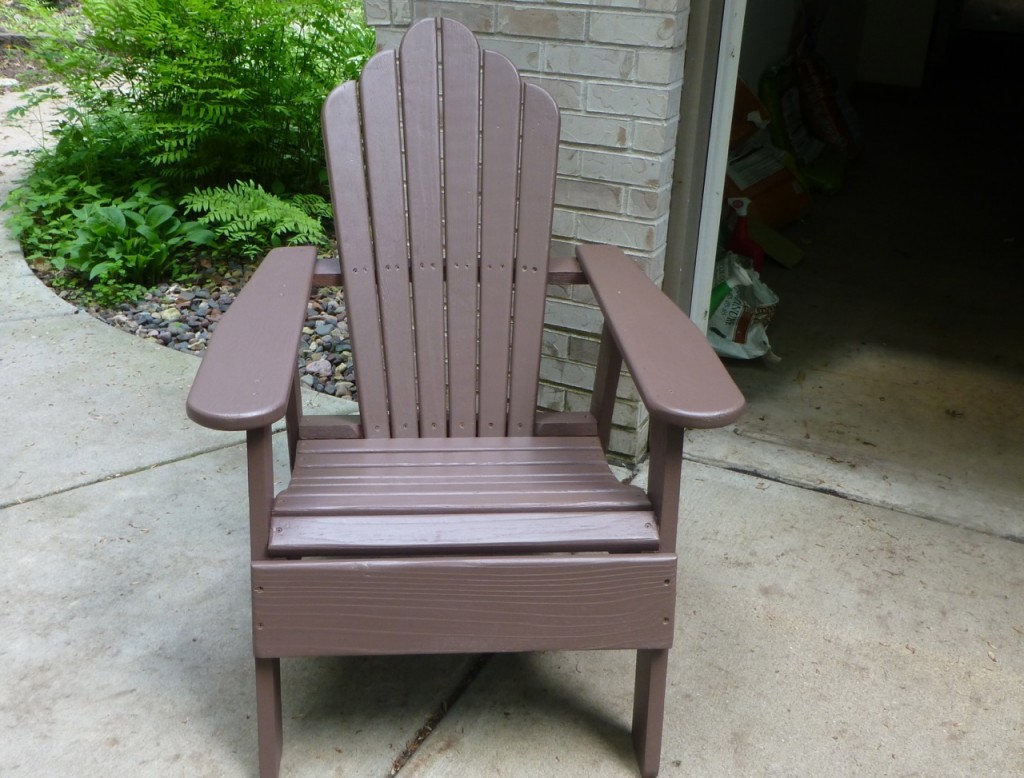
(40, 211)
(131, 241)
(246, 218)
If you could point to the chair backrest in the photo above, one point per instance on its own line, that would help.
(442, 165)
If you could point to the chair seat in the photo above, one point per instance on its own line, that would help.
(433, 495)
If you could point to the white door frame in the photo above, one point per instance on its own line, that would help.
(717, 159)
(711, 67)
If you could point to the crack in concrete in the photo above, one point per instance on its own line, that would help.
(431, 722)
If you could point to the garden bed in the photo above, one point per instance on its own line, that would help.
(185, 157)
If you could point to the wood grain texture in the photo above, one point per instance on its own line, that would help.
(462, 68)
(384, 161)
(350, 201)
(538, 160)
(330, 427)
(473, 604)
(420, 95)
(460, 159)
(464, 533)
(562, 270)
(502, 111)
(565, 424)
(367, 477)
(327, 271)
(606, 382)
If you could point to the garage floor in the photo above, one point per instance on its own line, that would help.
(902, 375)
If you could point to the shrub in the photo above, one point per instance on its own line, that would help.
(214, 90)
(238, 92)
(198, 94)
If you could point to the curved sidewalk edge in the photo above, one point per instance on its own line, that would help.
(83, 402)
(22, 295)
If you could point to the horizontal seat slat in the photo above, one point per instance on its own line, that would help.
(450, 473)
(342, 502)
(344, 478)
(431, 475)
(377, 463)
(465, 533)
(450, 446)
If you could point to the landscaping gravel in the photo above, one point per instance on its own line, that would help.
(183, 317)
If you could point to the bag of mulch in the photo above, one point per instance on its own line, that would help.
(823, 166)
(827, 109)
(741, 307)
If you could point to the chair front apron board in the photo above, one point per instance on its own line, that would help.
(450, 516)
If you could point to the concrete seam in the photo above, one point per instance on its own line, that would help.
(112, 476)
(753, 471)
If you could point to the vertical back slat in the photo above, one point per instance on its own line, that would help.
(533, 239)
(460, 55)
(460, 159)
(418, 65)
(343, 142)
(379, 97)
(502, 92)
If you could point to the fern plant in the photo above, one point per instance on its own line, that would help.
(245, 218)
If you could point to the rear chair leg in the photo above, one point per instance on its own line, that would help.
(268, 716)
(649, 708)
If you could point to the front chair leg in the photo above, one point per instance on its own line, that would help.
(649, 708)
(268, 716)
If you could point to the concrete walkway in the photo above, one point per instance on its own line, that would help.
(816, 636)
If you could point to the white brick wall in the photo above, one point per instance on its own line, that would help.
(589, 60)
(556, 23)
(615, 69)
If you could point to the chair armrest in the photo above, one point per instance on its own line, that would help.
(680, 378)
(246, 376)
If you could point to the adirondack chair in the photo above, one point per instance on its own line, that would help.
(451, 515)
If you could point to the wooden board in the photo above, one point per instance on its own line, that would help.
(476, 604)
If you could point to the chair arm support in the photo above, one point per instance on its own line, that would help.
(680, 378)
(246, 376)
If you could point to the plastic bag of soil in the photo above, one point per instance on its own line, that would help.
(741, 307)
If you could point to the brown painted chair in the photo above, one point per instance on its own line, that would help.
(451, 515)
